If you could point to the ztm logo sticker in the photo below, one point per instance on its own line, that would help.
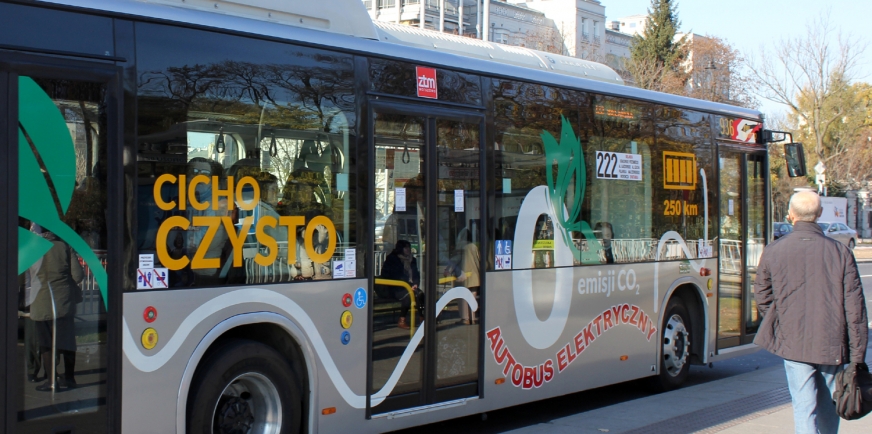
(679, 171)
(426, 78)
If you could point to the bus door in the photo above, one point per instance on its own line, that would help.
(425, 337)
(61, 150)
(742, 237)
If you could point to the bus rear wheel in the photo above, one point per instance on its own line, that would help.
(244, 387)
(675, 353)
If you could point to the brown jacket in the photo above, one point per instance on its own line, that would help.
(809, 292)
(59, 275)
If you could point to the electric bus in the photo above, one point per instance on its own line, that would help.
(281, 217)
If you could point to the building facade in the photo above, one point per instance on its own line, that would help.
(574, 28)
(633, 24)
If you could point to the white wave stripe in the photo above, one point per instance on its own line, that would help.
(151, 363)
(539, 334)
(452, 294)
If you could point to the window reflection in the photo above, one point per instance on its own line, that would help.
(63, 204)
(731, 252)
(612, 217)
(244, 167)
(401, 288)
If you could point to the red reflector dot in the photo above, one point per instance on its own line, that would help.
(150, 314)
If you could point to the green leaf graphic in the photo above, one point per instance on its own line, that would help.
(566, 204)
(31, 247)
(48, 132)
(47, 128)
(35, 201)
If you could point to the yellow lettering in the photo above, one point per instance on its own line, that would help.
(200, 261)
(158, 198)
(218, 192)
(267, 241)
(331, 246)
(192, 193)
(292, 222)
(248, 206)
(237, 240)
(183, 185)
(162, 233)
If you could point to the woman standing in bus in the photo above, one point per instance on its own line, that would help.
(469, 277)
(401, 265)
(54, 309)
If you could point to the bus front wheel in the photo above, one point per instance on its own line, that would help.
(675, 339)
(245, 386)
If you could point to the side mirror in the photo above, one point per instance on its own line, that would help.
(795, 158)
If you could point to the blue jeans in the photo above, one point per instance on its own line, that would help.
(811, 390)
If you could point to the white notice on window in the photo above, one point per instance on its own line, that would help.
(705, 250)
(350, 254)
(341, 182)
(146, 261)
(622, 167)
(338, 269)
(400, 198)
(458, 200)
(730, 207)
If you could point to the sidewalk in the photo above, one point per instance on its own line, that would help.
(756, 402)
(863, 252)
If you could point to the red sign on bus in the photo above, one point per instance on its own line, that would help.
(426, 82)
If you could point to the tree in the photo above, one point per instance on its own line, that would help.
(811, 75)
(656, 54)
(847, 142)
(648, 74)
(546, 39)
(717, 73)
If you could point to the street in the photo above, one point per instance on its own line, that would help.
(532, 414)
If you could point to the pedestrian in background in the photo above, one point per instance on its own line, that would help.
(469, 277)
(809, 293)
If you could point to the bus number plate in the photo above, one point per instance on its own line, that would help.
(624, 167)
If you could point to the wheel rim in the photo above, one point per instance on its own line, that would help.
(250, 404)
(676, 343)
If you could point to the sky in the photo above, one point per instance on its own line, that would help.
(749, 25)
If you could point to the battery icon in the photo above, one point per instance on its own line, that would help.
(679, 171)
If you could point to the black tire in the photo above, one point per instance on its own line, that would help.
(675, 337)
(851, 244)
(244, 387)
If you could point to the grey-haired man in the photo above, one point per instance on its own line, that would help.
(809, 292)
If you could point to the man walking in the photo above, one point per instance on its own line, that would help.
(809, 292)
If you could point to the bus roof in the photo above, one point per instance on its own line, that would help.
(520, 56)
(407, 48)
(346, 17)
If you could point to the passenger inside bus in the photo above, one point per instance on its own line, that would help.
(220, 246)
(604, 232)
(401, 265)
(54, 310)
(306, 188)
(469, 277)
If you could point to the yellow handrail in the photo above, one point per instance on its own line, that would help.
(400, 283)
(450, 279)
